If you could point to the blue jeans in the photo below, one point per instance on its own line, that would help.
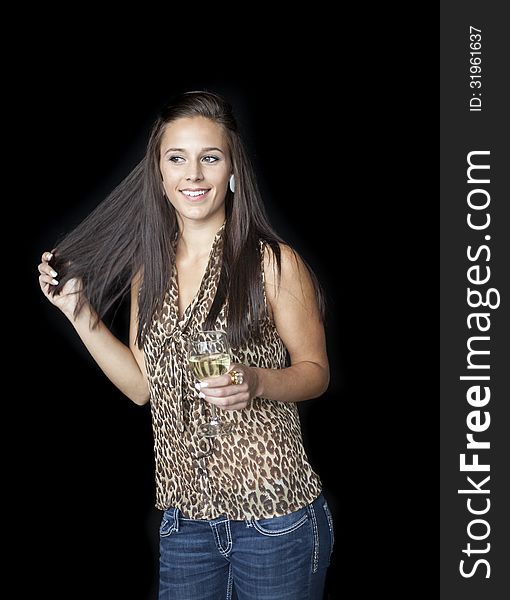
(283, 558)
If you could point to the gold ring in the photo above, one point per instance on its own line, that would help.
(236, 377)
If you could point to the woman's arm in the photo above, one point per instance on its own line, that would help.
(293, 306)
(123, 365)
(296, 315)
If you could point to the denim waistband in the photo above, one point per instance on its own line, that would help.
(176, 515)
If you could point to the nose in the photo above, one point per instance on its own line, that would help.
(194, 172)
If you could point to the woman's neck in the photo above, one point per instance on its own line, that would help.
(196, 237)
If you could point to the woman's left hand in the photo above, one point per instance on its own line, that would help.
(227, 395)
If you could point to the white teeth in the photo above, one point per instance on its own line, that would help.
(194, 194)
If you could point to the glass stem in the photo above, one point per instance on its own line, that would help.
(214, 414)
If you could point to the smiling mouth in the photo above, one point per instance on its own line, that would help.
(195, 194)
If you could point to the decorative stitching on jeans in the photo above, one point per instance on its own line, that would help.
(229, 538)
(329, 517)
(315, 539)
(175, 526)
(164, 522)
(223, 552)
(290, 529)
(172, 518)
(229, 583)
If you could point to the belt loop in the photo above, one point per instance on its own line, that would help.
(176, 520)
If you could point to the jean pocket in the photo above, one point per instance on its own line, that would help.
(167, 525)
(281, 525)
(329, 518)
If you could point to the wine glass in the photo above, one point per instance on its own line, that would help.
(208, 356)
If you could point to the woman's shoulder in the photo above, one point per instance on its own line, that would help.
(282, 263)
(280, 252)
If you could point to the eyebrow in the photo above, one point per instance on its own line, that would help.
(209, 149)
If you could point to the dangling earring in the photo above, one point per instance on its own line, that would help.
(232, 184)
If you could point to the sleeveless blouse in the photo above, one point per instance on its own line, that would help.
(258, 471)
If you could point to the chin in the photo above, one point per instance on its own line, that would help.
(196, 213)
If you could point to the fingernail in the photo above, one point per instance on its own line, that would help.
(201, 395)
(53, 273)
(197, 385)
(49, 257)
(203, 384)
(54, 282)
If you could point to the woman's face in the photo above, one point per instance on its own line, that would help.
(195, 166)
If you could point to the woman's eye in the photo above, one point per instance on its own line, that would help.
(210, 159)
(176, 159)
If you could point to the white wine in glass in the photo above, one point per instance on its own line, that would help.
(209, 356)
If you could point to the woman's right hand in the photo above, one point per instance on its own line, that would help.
(69, 295)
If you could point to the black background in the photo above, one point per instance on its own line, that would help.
(343, 182)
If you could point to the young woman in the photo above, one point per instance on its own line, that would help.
(186, 232)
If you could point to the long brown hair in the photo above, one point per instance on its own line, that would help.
(133, 231)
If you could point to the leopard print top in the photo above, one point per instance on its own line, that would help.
(258, 471)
